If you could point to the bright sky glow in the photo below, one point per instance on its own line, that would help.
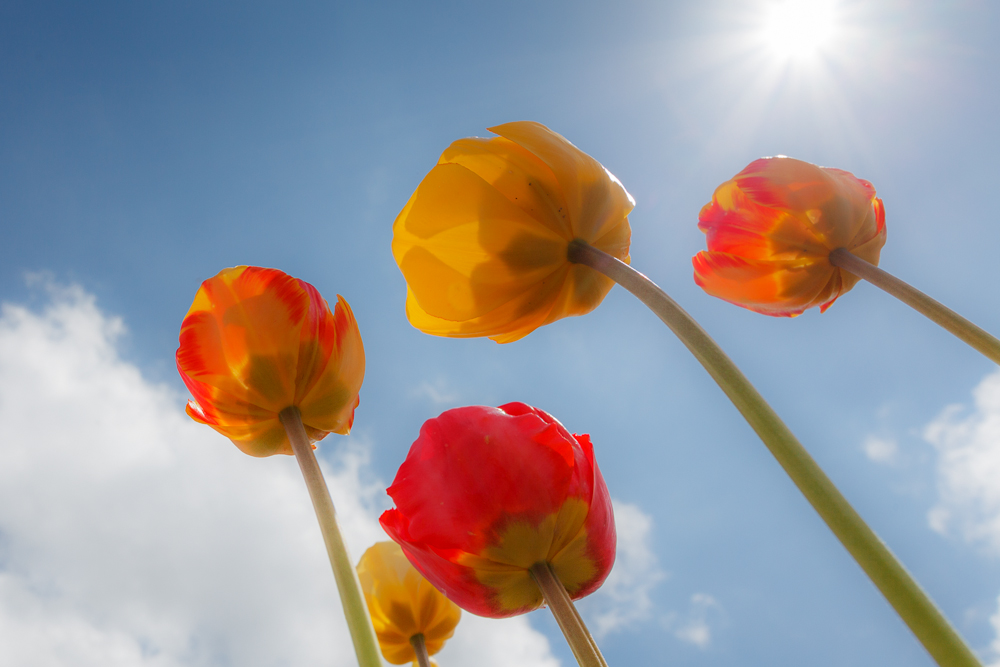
(796, 29)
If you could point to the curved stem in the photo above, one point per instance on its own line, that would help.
(577, 636)
(954, 323)
(886, 572)
(351, 598)
(420, 648)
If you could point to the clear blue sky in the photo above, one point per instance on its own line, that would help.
(145, 146)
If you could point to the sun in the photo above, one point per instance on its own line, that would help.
(799, 29)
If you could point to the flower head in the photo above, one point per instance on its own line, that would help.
(482, 242)
(486, 493)
(404, 604)
(771, 229)
(257, 341)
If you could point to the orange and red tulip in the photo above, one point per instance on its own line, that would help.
(770, 231)
(486, 493)
(257, 341)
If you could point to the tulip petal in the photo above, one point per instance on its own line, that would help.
(596, 200)
(782, 289)
(461, 242)
(520, 176)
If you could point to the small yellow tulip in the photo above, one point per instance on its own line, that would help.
(403, 604)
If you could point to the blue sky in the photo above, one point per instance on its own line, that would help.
(145, 146)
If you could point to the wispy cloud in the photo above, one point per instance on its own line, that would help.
(131, 536)
(437, 393)
(881, 450)
(695, 625)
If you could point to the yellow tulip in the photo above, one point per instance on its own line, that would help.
(483, 241)
(403, 604)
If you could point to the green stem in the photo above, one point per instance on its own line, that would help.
(420, 649)
(982, 341)
(886, 572)
(351, 598)
(577, 636)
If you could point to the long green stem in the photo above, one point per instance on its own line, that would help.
(351, 598)
(561, 605)
(886, 572)
(420, 649)
(982, 341)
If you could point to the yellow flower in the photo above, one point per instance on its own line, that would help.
(482, 242)
(404, 604)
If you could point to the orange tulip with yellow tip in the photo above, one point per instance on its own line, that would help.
(483, 241)
(772, 227)
(404, 605)
(257, 341)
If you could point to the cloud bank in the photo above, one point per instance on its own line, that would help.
(131, 536)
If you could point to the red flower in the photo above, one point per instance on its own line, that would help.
(485, 493)
(772, 227)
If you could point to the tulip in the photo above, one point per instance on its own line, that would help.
(495, 504)
(257, 341)
(772, 227)
(412, 619)
(274, 370)
(483, 241)
(785, 235)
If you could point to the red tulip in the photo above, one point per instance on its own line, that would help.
(772, 227)
(486, 493)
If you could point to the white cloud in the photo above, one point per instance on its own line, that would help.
(129, 535)
(694, 626)
(968, 468)
(624, 599)
(508, 642)
(436, 392)
(968, 473)
(881, 450)
(995, 646)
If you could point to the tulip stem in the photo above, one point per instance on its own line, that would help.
(351, 598)
(557, 598)
(911, 603)
(420, 648)
(937, 312)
